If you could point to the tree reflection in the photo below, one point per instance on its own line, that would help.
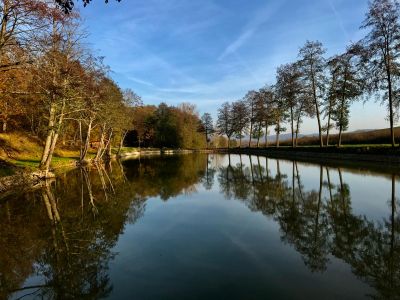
(320, 222)
(61, 235)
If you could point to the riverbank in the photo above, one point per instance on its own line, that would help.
(384, 156)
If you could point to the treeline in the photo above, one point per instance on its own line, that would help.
(324, 88)
(166, 126)
(53, 87)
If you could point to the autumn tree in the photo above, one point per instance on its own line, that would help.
(207, 126)
(382, 54)
(348, 86)
(250, 100)
(56, 76)
(267, 95)
(241, 119)
(279, 114)
(312, 67)
(289, 90)
(225, 122)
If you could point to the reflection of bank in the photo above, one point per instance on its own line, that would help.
(66, 247)
(318, 224)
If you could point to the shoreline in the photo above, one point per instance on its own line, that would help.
(387, 159)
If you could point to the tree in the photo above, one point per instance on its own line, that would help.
(312, 67)
(68, 5)
(207, 126)
(225, 122)
(346, 88)
(130, 101)
(250, 100)
(382, 53)
(241, 119)
(267, 95)
(56, 77)
(143, 123)
(289, 89)
(279, 113)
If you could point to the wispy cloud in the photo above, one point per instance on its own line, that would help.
(251, 27)
(339, 19)
(140, 81)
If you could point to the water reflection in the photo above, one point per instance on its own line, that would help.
(319, 224)
(57, 242)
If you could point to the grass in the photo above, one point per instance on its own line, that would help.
(20, 151)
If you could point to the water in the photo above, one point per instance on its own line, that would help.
(204, 227)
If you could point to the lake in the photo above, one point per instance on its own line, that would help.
(204, 226)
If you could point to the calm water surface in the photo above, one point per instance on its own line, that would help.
(204, 227)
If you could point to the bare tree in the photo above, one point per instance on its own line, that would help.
(312, 66)
(207, 126)
(250, 101)
(289, 89)
(348, 86)
(241, 119)
(225, 121)
(382, 54)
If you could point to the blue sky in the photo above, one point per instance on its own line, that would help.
(210, 51)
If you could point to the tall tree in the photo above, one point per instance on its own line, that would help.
(382, 54)
(225, 121)
(280, 114)
(347, 88)
(241, 119)
(207, 126)
(289, 89)
(250, 100)
(267, 95)
(312, 66)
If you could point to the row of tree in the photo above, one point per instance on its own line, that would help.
(325, 88)
(52, 85)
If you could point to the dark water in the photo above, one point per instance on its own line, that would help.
(204, 227)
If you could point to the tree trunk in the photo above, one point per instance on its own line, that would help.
(49, 137)
(277, 136)
(391, 115)
(4, 125)
(85, 148)
(121, 143)
(101, 144)
(321, 142)
(258, 135)
(340, 136)
(251, 133)
(292, 125)
(328, 128)
(266, 136)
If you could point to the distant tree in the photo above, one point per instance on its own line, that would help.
(312, 67)
(259, 116)
(250, 100)
(267, 95)
(225, 121)
(382, 54)
(289, 89)
(207, 126)
(241, 119)
(349, 85)
(279, 113)
(143, 123)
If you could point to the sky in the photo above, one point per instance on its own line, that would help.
(210, 51)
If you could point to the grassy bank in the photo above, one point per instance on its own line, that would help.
(20, 152)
